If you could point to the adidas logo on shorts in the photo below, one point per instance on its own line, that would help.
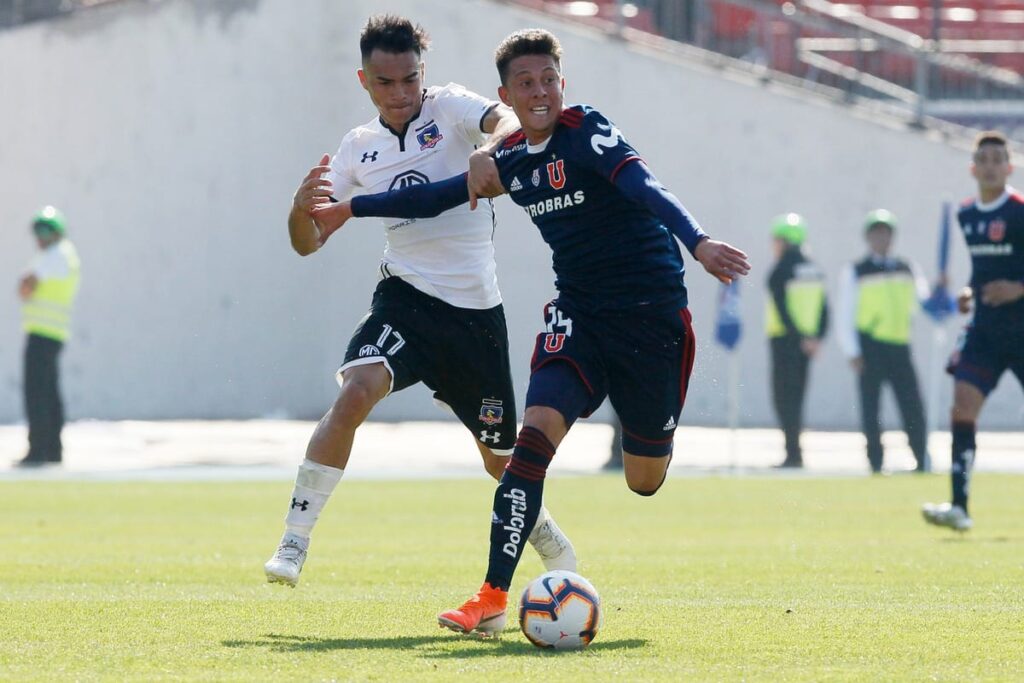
(671, 424)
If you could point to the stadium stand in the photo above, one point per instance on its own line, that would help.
(958, 60)
(17, 12)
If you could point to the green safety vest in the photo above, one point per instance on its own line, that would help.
(805, 298)
(886, 300)
(47, 312)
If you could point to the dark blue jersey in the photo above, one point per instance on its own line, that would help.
(995, 237)
(609, 252)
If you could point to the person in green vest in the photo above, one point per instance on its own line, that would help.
(795, 322)
(47, 290)
(878, 296)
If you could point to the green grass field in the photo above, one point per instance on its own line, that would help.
(713, 579)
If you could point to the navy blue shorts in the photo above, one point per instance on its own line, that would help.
(459, 353)
(641, 362)
(983, 353)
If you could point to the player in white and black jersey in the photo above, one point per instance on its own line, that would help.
(436, 316)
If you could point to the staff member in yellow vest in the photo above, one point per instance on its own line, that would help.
(796, 320)
(878, 296)
(48, 291)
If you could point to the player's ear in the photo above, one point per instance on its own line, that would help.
(503, 95)
(423, 70)
(362, 78)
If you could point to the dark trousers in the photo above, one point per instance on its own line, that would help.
(789, 384)
(43, 405)
(890, 363)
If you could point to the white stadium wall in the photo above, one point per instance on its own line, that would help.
(174, 133)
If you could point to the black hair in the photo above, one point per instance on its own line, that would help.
(529, 41)
(991, 137)
(394, 34)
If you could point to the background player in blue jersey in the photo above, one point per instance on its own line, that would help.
(993, 227)
(619, 327)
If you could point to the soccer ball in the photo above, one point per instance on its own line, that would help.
(560, 610)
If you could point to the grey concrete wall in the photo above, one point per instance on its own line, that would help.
(173, 134)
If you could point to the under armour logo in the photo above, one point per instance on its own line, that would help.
(303, 505)
(486, 436)
(367, 156)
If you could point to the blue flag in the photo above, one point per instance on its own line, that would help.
(729, 327)
(940, 305)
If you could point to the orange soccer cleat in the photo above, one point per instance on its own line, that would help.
(482, 615)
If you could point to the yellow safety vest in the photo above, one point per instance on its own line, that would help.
(805, 298)
(886, 301)
(47, 312)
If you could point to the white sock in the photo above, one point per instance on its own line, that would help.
(542, 517)
(313, 486)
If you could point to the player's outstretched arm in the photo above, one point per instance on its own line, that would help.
(416, 201)
(314, 191)
(718, 258)
(425, 200)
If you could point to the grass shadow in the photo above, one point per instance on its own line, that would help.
(963, 538)
(442, 646)
(514, 647)
(284, 643)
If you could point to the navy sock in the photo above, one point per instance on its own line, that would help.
(963, 461)
(517, 504)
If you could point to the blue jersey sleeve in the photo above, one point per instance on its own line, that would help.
(424, 200)
(636, 181)
(599, 143)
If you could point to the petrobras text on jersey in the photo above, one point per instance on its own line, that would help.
(991, 249)
(557, 203)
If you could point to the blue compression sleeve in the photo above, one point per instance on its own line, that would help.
(424, 200)
(638, 183)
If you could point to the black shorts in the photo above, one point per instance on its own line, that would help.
(984, 352)
(461, 354)
(641, 362)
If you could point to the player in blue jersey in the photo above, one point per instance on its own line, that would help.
(993, 227)
(619, 328)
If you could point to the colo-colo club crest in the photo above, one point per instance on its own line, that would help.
(428, 135)
(491, 412)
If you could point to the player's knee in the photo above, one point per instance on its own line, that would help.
(645, 483)
(645, 492)
(646, 463)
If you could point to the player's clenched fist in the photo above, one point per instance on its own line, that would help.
(314, 190)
